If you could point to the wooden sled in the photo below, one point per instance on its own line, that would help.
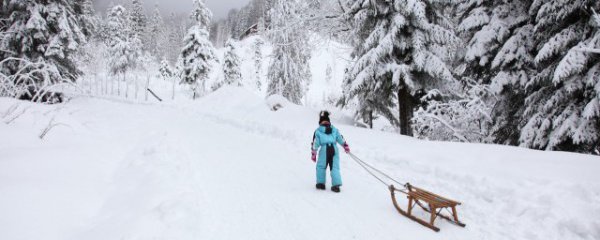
(435, 205)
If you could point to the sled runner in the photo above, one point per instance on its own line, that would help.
(434, 205)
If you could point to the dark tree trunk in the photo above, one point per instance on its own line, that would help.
(405, 108)
(371, 119)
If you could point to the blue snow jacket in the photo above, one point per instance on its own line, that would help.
(324, 140)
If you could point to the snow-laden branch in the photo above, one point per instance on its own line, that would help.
(37, 78)
(588, 50)
(455, 132)
(596, 18)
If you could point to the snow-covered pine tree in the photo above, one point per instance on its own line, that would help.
(201, 15)
(562, 110)
(289, 72)
(85, 11)
(158, 39)
(258, 59)
(498, 53)
(231, 65)
(39, 40)
(124, 47)
(198, 51)
(138, 19)
(165, 70)
(397, 51)
(175, 33)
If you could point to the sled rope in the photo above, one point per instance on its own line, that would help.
(370, 169)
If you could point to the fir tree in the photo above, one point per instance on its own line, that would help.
(198, 51)
(138, 19)
(201, 15)
(85, 12)
(231, 65)
(175, 32)
(39, 40)
(499, 53)
(258, 59)
(397, 51)
(562, 110)
(157, 31)
(124, 48)
(165, 70)
(289, 72)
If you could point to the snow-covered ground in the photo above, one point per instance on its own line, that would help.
(226, 167)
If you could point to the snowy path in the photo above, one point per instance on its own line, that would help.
(224, 168)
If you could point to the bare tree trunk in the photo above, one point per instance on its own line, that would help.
(119, 84)
(371, 119)
(405, 108)
(112, 85)
(173, 93)
(136, 87)
(147, 86)
(126, 87)
(97, 84)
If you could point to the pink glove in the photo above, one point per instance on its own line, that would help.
(346, 148)
(313, 156)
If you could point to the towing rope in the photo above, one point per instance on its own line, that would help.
(370, 169)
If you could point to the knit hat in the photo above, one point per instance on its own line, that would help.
(324, 116)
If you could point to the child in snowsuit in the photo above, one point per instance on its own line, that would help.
(324, 141)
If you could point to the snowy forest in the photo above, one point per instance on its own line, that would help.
(300, 119)
(521, 73)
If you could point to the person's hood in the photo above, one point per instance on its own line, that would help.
(326, 128)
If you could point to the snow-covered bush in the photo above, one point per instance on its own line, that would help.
(462, 117)
(34, 81)
(277, 102)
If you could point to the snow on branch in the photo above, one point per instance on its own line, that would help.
(36, 80)
(596, 18)
(463, 116)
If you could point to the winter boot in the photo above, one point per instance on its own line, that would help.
(335, 188)
(320, 186)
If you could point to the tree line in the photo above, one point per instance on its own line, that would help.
(523, 72)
